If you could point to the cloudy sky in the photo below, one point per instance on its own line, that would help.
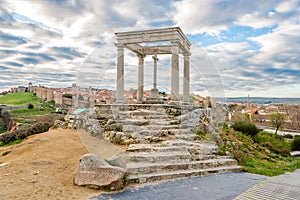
(239, 47)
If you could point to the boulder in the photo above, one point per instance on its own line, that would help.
(117, 160)
(96, 172)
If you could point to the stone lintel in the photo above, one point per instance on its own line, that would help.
(133, 38)
(151, 50)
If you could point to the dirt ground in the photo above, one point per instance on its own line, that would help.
(44, 166)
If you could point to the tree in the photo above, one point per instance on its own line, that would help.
(277, 120)
(295, 120)
(30, 106)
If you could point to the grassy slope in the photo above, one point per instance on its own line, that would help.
(256, 158)
(22, 98)
(28, 116)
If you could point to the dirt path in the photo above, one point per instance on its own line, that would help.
(44, 166)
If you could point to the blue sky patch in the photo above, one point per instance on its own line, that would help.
(235, 34)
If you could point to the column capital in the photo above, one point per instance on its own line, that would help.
(141, 55)
(119, 45)
(155, 58)
(187, 54)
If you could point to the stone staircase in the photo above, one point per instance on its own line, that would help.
(167, 147)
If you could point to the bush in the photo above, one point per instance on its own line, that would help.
(274, 142)
(296, 144)
(23, 133)
(30, 106)
(246, 127)
(288, 136)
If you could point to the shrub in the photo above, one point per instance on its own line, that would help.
(288, 136)
(296, 144)
(200, 133)
(274, 142)
(225, 128)
(246, 127)
(30, 106)
(23, 133)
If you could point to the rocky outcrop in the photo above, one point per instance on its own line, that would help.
(96, 172)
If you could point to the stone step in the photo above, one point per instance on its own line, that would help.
(137, 122)
(144, 178)
(137, 128)
(154, 148)
(147, 168)
(189, 137)
(180, 142)
(194, 147)
(159, 122)
(161, 132)
(157, 116)
(173, 156)
(200, 157)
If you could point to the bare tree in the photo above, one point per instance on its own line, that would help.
(277, 119)
(295, 120)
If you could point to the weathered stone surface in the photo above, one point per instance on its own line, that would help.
(117, 160)
(60, 124)
(95, 171)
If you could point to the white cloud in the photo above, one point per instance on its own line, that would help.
(76, 38)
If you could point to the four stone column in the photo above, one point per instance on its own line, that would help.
(174, 75)
(175, 72)
(140, 90)
(154, 95)
(186, 78)
(155, 72)
(120, 75)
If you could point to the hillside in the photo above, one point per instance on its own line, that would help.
(43, 167)
(17, 99)
(269, 157)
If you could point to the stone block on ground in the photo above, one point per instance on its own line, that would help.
(95, 171)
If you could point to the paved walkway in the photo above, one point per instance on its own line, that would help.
(286, 186)
(220, 186)
(237, 186)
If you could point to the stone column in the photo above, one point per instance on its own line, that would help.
(175, 72)
(120, 75)
(154, 95)
(155, 71)
(140, 89)
(186, 78)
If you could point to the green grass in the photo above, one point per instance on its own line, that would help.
(29, 116)
(256, 157)
(17, 99)
(272, 167)
(11, 143)
(33, 111)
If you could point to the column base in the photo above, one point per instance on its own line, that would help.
(119, 102)
(154, 94)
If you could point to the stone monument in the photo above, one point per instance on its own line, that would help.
(135, 41)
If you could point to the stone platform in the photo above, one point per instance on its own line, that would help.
(162, 141)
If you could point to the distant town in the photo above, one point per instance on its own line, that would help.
(257, 108)
(87, 97)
